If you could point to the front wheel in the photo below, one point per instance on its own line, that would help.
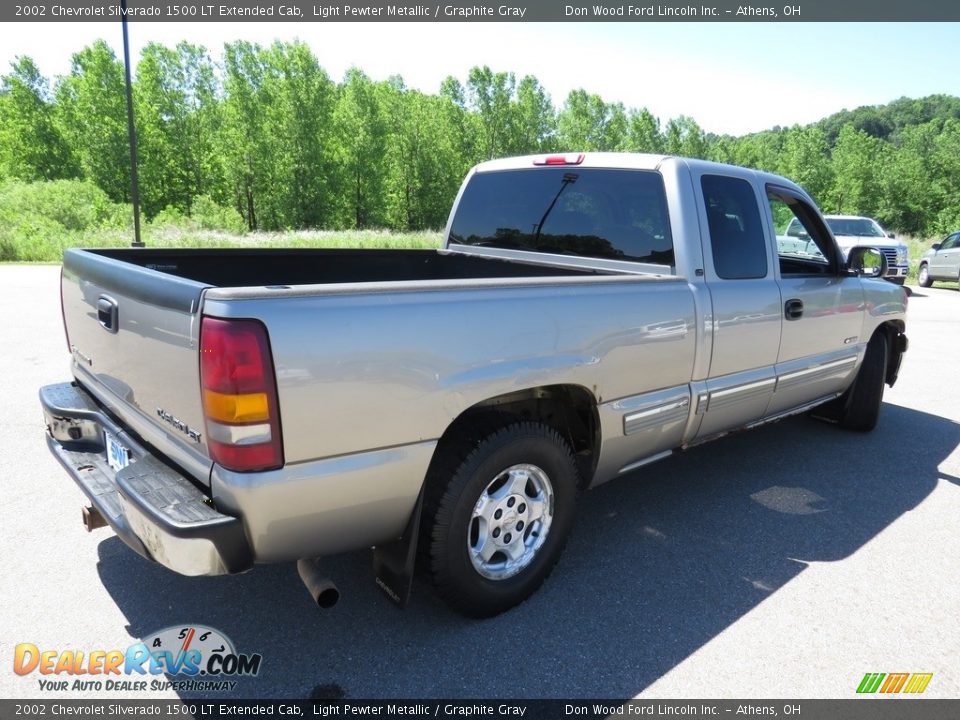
(500, 517)
(923, 278)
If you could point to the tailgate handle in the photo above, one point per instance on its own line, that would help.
(107, 313)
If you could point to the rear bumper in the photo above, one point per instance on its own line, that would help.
(156, 510)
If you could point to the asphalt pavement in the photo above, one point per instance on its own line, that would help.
(785, 562)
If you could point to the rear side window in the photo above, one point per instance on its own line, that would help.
(609, 214)
(736, 234)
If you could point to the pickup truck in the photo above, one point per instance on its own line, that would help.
(586, 316)
(853, 230)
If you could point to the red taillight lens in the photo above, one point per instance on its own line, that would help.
(560, 160)
(239, 395)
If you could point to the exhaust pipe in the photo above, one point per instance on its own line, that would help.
(92, 519)
(320, 587)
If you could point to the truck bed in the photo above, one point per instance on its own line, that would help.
(270, 267)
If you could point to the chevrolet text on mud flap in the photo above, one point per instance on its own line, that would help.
(588, 315)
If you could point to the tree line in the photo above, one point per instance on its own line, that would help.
(266, 131)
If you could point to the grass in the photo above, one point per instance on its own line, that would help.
(49, 248)
(917, 247)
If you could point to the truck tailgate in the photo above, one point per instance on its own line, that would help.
(133, 337)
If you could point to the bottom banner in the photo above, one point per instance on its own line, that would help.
(853, 709)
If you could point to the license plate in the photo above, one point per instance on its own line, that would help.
(118, 456)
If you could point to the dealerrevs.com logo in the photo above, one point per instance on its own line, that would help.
(894, 683)
(189, 657)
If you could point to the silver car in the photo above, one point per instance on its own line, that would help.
(941, 262)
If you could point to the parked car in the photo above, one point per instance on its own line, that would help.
(588, 315)
(852, 231)
(941, 262)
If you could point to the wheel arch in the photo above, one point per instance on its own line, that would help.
(570, 409)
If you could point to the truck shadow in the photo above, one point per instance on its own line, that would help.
(660, 562)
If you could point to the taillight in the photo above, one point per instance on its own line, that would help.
(575, 159)
(239, 395)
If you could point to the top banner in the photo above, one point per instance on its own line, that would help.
(529, 11)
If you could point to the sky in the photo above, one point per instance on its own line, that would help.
(732, 78)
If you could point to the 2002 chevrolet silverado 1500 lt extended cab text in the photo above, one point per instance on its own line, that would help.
(587, 315)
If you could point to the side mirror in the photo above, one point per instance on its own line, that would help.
(891, 235)
(935, 246)
(867, 262)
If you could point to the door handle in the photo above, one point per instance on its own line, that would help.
(793, 309)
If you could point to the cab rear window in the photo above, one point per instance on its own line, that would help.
(598, 213)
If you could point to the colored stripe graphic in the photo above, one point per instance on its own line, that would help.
(918, 683)
(870, 682)
(894, 683)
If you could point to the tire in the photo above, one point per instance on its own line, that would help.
(923, 276)
(897, 280)
(860, 405)
(499, 512)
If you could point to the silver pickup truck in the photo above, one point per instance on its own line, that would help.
(587, 315)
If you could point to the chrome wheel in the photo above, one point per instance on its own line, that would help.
(924, 279)
(510, 521)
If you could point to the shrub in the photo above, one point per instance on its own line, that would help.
(948, 220)
(31, 238)
(209, 216)
(170, 216)
(73, 204)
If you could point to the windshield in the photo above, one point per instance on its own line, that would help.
(610, 214)
(857, 227)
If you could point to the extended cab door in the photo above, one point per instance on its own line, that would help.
(822, 307)
(747, 313)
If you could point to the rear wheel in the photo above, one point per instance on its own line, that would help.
(897, 280)
(860, 405)
(923, 277)
(500, 515)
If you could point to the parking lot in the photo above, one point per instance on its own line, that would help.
(783, 562)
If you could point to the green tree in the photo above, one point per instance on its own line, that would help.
(490, 95)
(423, 162)
(92, 117)
(760, 150)
(459, 121)
(362, 139)
(643, 132)
(300, 121)
(588, 123)
(857, 167)
(684, 137)
(31, 145)
(245, 143)
(177, 117)
(805, 160)
(535, 122)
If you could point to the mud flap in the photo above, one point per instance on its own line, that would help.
(897, 348)
(393, 563)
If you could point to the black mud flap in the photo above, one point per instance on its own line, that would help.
(897, 348)
(393, 563)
